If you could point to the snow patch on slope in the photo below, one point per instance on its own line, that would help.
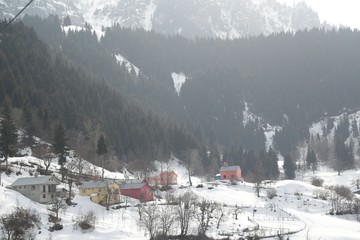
(148, 16)
(179, 79)
(73, 28)
(129, 66)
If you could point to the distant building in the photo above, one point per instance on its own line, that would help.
(232, 173)
(41, 189)
(99, 190)
(138, 190)
(164, 178)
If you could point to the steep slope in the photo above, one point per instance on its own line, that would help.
(56, 91)
(215, 18)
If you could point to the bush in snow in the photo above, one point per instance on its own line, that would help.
(317, 182)
(19, 224)
(271, 193)
(86, 221)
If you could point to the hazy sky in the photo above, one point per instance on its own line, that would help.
(345, 12)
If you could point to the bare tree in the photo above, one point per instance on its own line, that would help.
(192, 160)
(237, 210)
(340, 198)
(356, 208)
(356, 181)
(184, 211)
(257, 187)
(19, 223)
(206, 210)
(78, 164)
(220, 214)
(44, 152)
(150, 219)
(167, 220)
(55, 207)
(93, 131)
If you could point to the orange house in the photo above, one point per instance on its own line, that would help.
(168, 178)
(230, 173)
(165, 178)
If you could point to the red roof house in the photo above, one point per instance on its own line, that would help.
(140, 190)
(230, 172)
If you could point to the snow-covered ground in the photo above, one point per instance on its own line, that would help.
(294, 209)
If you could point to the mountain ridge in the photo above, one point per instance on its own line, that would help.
(200, 18)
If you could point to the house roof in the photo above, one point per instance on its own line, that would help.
(131, 186)
(33, 181)
(229, 168)
(93, 184)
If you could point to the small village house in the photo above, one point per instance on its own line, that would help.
(232, 173)
(100, 190)
(138, 190)
(164, 178)
(41, 189)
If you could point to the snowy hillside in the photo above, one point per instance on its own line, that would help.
(293, 210)
(216, 18)
(325, 129)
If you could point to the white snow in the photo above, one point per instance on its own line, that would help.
(73, 28)
(179, 79)
(294, 209)
(148, 16)
(129, 66)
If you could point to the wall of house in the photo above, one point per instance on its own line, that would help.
(89, 191)
(38, 193)
(231, 175)
(144, 193)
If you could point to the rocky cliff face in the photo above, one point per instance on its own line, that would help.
(190, 18)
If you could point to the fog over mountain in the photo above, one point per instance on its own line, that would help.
(190, 18)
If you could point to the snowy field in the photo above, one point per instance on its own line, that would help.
(294, 210)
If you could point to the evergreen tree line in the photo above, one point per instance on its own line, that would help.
(300, 76)
(289, 79)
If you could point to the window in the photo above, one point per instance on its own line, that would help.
(32, 187)
(44, 196)
(44, 188)
(224, 176)
(52, 195)
(49, 188)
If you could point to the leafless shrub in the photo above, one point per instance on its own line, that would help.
(316, 181)
(86, 221)
(271, 193)
(19, 224)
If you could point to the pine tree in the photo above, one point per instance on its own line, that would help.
(289, 167)
(8, 138)
(101, 151)
(67, 21)
(273, 164)
(311, 160)
(60, 147)
(28, 122)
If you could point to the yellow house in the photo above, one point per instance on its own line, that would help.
(101, 192)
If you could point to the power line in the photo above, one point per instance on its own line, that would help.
(6, 25)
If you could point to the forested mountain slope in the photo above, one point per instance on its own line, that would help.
(36, 76)
(291, 80)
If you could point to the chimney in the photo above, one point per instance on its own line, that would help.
(226, 164)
